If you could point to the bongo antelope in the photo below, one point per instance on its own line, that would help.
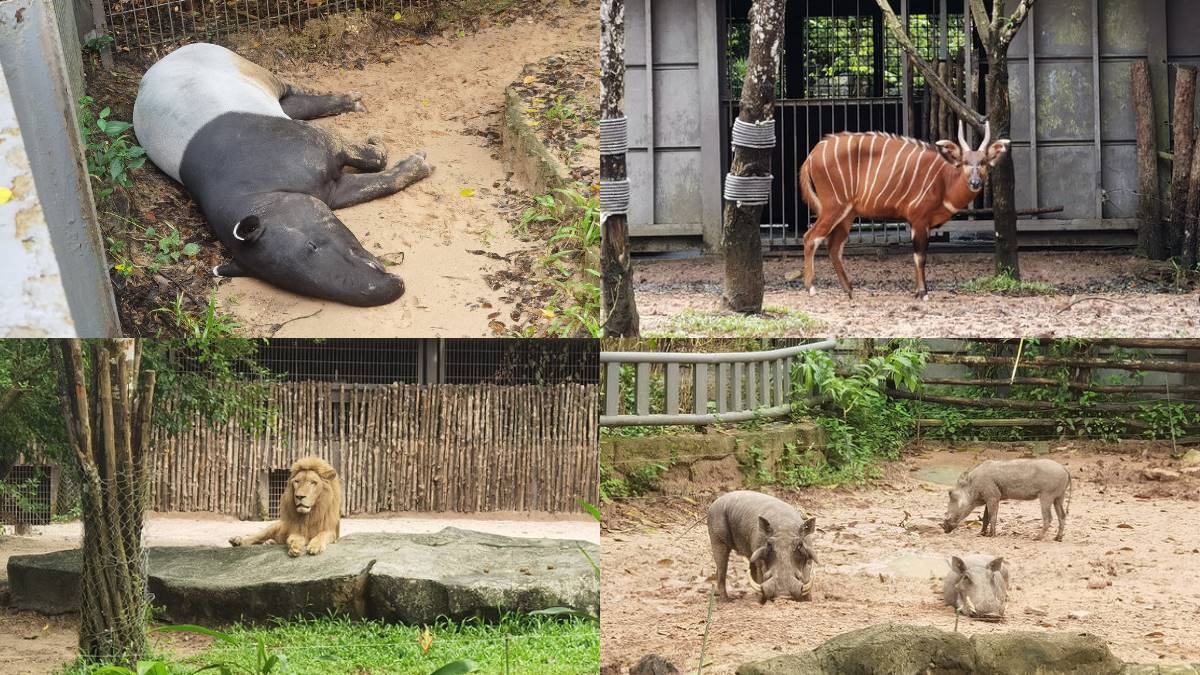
(885, 176)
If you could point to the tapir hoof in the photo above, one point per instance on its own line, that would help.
(358, 104)
(812, 290)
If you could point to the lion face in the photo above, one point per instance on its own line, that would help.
(308, 488)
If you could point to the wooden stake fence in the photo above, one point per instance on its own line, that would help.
(399, 447)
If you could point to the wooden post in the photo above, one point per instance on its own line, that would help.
(1183, 122)
(742, 240)
(1150, 234)
(616, 263)
(1191, 223)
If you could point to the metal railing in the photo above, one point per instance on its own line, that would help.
(748, 385)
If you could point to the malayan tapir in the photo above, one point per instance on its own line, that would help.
(267, 181)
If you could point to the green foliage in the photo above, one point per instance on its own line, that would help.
(551, 644)
(98, 43)
(167, 247)
(572, 267)
(563, 110)
(772, 321)
(207, 373)
(111, 153)
(636, 483)
(861, 424)
(1005, 284)
(839, 55)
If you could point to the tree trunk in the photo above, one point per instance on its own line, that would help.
(1191, 221)
(1150, 235)
(1183, 120)
(616, 263)
(108, 430)
(742, 240)
(1004, 207)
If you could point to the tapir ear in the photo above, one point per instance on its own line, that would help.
(951, 151)
(957, 564)
(764, 525)
(996, 564)
(808, 527)
(248, 229)
(996, 150)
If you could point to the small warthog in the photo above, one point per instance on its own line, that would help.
(775, 537)
(977, 586)
(993, 480)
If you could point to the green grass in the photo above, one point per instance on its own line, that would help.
(774, 321)
(1006, 285)
(332, 646)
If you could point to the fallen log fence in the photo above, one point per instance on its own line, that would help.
(1070, 403)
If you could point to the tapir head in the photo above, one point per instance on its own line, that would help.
(299, 245)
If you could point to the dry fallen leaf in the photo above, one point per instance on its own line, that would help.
(426, 640)
(5, 195)
(529, 79)
(467, 192)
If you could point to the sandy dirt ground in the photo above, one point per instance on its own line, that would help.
(42, 644)
(1134, 539)
(1095, 293)
(441, 97)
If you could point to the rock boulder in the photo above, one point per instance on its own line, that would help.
(409, 578)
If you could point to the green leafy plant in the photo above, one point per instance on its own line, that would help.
(110, 151)
(200, 331)
(861, 424)
(562, 110)
(167, 247)
(572, 267)
(1005, 284)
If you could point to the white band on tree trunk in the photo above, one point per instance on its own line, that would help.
(756, 135)
(614, 196)
(748, 190)
(614, 136)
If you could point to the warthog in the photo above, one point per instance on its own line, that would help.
(977, 586)
(993, 480)
(775, 537)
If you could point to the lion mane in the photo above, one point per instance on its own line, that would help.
(310, 531)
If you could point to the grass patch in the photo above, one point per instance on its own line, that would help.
(572, 265)
(1004, 284)
(332, 646)
(774, 321)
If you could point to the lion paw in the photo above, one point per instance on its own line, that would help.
(316, 547)
(235, 541)
(294, 551)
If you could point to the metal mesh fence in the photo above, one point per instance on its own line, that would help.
(27, 495)
(486, 360)
(146, 23)
(840, 69)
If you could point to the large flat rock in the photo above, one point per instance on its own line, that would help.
(902, 649)
(409, 578)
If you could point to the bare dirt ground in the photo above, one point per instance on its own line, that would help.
(33, 643)
(1136, 540)
(440, 96)
(1095, 294)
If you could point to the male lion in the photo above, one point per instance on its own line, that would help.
(309, 511)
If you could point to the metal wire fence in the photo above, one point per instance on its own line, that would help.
(137, 24)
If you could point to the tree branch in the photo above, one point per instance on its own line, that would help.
(983, 22)
(931, 78)
(1014, 22)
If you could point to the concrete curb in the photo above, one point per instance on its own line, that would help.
(533, 165)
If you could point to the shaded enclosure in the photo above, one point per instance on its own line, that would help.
(1073, 120)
